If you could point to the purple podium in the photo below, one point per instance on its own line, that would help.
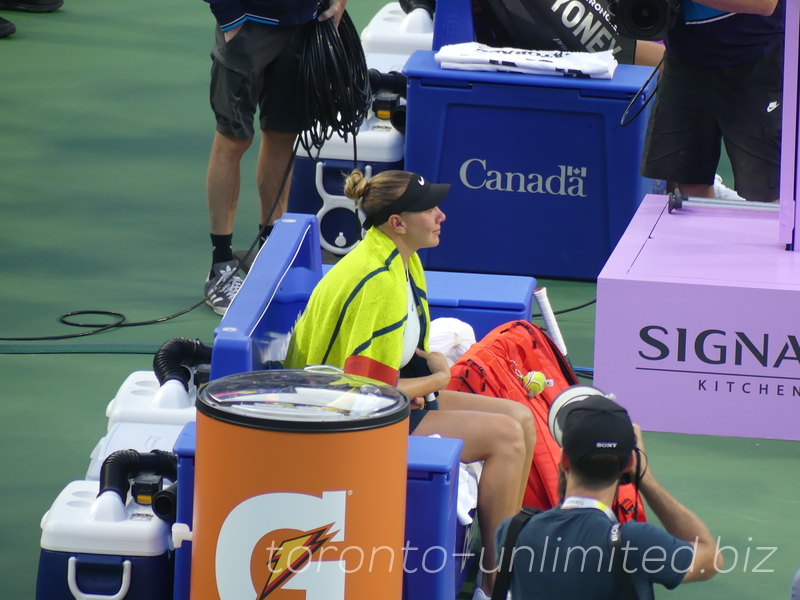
(698, 323)
(698, 310)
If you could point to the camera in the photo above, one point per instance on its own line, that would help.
(567, 400)
(644, 19)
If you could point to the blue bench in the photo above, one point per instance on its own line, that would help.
(254, 335)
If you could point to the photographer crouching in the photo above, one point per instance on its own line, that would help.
(578, 550)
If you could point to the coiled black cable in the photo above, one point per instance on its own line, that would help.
(333, 87)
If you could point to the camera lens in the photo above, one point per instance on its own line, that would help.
(645, 15)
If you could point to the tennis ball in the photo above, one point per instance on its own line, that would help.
(534, 382)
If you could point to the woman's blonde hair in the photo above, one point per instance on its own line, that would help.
(373, 195)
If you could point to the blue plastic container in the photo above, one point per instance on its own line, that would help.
(440, 550)
(483, 301)
(185, 450)
(544, 178)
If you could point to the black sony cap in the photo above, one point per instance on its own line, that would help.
(594, 426)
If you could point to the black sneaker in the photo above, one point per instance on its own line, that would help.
(222, 286)
(37, 6)
(6, 28)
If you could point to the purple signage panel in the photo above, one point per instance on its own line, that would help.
(698, 323)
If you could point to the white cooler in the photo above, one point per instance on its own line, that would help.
(97, 548)
(141, 400)
(143, 437)
(391, 31)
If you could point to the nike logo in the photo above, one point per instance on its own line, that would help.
(422, 181)
(772, 106)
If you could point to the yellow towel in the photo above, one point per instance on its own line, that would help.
(356, 315)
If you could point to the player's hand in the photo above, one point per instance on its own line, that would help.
(231, 33)
(418, 403)
(438, 366)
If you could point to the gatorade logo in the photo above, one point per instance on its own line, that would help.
(274, 544)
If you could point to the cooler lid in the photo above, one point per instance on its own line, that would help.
(377, 142)
(315, 399)
(79, 521)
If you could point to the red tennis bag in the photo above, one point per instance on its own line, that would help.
(494, 366)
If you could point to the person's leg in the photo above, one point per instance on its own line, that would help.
(498, 440)
(233, 102)
(683, 140)
(223, 181)
(450, 400)
(222, 189)
(695, 190)
(751, 126)
(274, 157)
(237, 79)
(279, 122)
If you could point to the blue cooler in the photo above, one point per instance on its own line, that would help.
(94, 548)
(544, 178)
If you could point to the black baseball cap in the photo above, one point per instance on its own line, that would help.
(594, 426)
(420, 195)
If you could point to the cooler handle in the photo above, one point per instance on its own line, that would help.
(72, 580)
(330, 202)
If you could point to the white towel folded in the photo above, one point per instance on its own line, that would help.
(468, 476)
(472, 56)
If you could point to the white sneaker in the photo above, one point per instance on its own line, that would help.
(723, 192)
(221, 288)
(479, 594)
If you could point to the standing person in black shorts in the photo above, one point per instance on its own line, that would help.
(255, 66)
(722, 80)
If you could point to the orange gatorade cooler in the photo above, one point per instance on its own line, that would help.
(300, 488)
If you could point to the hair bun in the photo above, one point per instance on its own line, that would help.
(356, 185)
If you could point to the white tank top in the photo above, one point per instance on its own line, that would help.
(411, 330)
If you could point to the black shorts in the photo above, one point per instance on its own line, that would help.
(416, 416)
(696, 107)
(257, 69)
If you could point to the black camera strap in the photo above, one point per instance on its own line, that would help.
(503, 579)
(623, 577)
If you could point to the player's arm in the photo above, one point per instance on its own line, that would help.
(754, 7)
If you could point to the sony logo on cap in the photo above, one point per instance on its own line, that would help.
(606, 444)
